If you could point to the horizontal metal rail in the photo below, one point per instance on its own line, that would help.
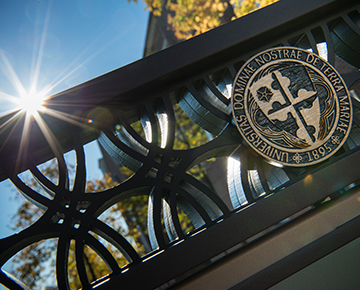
(193, 78)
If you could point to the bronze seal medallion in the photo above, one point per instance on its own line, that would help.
(291, 106)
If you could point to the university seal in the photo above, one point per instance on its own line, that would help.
(291, 106)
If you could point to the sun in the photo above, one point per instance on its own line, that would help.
(31, 103)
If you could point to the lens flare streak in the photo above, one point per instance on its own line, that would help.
(30, 105)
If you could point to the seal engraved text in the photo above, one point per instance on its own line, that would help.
(291, 106)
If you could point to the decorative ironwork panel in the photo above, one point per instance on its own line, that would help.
(142, 135)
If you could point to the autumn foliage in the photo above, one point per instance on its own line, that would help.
(188, 18)
(185, 19)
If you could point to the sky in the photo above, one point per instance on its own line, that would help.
(56, 44)
(66, 42)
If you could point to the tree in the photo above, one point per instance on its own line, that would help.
(183, 19)
(187, 18)
(31, 261)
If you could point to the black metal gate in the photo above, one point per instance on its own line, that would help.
(194, 77)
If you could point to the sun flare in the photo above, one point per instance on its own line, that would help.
(31, 103)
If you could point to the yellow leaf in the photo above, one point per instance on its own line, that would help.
(220, 7)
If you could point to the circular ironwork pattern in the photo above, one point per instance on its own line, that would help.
(160, 172)
(291, 106)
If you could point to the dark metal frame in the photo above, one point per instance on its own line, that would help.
(303, 257)
(181, 74)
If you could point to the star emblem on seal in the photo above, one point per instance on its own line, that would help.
(264, 94)
(290, 105)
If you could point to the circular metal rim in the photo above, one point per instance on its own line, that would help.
(266, 157)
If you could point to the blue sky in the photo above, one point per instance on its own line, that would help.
(62, 43)
(70, 41)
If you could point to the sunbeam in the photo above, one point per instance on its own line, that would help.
(29, 102)
(32, 102)
(11, 74)
(12, 122)
(36, 70)
(49, 136)
(73, 119)
(67, 72)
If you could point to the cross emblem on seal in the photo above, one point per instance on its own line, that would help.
(289, 105)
